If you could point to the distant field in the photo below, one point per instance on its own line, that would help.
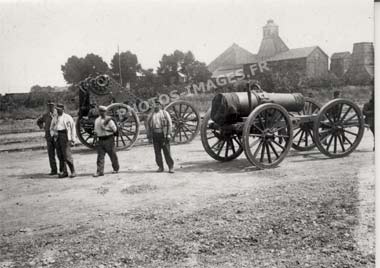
(359, 94)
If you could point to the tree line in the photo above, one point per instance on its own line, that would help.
(172, 69)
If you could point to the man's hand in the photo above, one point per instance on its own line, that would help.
(107, 120)
(72, 143)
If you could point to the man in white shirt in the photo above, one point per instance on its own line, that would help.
(63, 130)
(105, 128)
(160, 124)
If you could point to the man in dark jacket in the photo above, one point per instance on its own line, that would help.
(44, 122)
(369, 115)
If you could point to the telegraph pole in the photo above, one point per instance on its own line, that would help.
(118, 53)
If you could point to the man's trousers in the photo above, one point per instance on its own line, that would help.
(105, 146)
(51, 148)
(162, 143)
(64, 153)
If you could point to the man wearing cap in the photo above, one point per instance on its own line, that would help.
(44, 122)
(105, 128)
(160, 124)
(63, 130)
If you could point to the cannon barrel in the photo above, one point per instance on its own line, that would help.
(227, 108)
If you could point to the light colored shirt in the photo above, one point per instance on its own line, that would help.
(161, 120)
(102, 130)
(63, 122)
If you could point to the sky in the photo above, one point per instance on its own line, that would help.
(37, 37)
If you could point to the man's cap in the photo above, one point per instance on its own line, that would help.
(60, 106)
(102, 108)
(50, 102)
(157, 101)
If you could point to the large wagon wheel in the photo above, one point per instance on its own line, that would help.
(338, 128)
(186, 121)
(85, 132)
(303, 135)
(127, 122)
(265, 126)
(220, 144)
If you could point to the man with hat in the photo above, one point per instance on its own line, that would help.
(105, 129)
(160, 124)
(63, 130)
(44, 122)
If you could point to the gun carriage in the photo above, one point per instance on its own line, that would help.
(266, 125)
(122, 107)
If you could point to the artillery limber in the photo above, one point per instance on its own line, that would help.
(123, 107)
(266, 125)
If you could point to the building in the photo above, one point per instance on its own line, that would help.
(309, 61)
(340, 62)
(231, 57)
(361, 70)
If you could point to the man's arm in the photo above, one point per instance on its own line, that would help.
(41, 121)
(112, 126)
(170, 123)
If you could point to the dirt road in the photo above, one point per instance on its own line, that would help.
(309, 212)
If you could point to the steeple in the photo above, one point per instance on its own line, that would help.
(270, 29)
(272, 43)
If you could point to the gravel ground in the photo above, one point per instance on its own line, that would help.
(309, 212)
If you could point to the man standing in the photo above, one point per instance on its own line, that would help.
(44, 122)
(63, 130)
(369, 115)
(105, 128)
(160, 124)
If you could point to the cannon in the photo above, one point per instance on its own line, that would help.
(122, 107)
(266, 125)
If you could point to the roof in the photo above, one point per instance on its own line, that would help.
(295, 53)
(271, 46)
(225, 70)
(340, 55)
(233, 55)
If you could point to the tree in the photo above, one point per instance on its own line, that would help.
(76, 69)
(129, 66)
(185, 63)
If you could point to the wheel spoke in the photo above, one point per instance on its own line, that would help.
(273, 149)
(232, 146)
(279, 145)
(347, 120)
(346, 113)
(341, 143)
(268, 153)
(227, 147)
(306, 137)
(329, 143)
(349, 132)
(237, 141)
(215, 144)
(346, 139)
(262, 152)
(221, 147)
(298, 132)
(299, 141)
(258, 149)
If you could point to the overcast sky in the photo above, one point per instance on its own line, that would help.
(37, 37)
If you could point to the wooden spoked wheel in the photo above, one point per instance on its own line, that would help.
(128, 125)
(186, 121)
(85, 132)
(220, 144)
(339, 128)
(303, 135)
(267, 135)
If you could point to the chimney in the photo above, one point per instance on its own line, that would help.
(270, 29)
